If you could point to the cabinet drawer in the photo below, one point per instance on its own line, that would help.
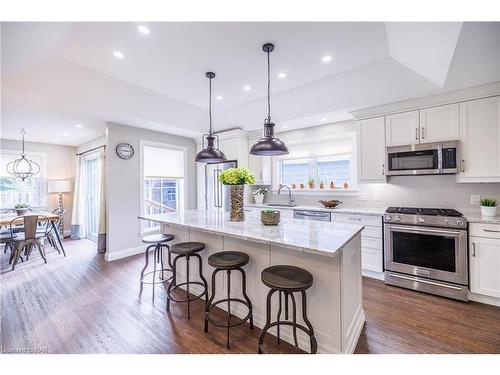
(371, 260)
(373, 232)
(358, 219)
(485, 230)
(371, 243)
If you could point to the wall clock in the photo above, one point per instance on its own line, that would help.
(124, 150)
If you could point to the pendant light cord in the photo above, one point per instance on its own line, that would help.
(23, 132)
(210, 105)
(268, 87)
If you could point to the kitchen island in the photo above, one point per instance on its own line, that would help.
(331, 252)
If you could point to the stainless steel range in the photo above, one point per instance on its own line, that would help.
(425, 249)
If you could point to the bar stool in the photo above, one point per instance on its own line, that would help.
(228, 261)
(186, 250)
(286, 280)
(158, 242)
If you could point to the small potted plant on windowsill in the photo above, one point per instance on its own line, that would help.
(488, 207)
(258, 194)
(21, 208)
(310, 182)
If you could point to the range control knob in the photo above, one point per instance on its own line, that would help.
(460, 222)
(421, 220)
(447, 221)
(388, 217)
(397, 218)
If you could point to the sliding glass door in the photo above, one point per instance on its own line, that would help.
(92, 196)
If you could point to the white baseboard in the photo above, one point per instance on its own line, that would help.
(484, 299)
(115, 255)
(373, 274)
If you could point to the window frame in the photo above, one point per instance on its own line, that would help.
(182, 183)
(43, 176)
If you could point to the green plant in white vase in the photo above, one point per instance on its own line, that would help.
(22, 208)
(258, 194)
(237, 178)
(488, 207)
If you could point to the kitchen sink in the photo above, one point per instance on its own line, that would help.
(281, 205)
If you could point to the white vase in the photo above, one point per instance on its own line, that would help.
(259, 198)
(488, 211)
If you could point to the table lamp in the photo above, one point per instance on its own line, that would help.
(60, 187)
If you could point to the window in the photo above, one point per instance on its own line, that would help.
(163, 170)
(91, 187)
(13, 190)
(335, 168)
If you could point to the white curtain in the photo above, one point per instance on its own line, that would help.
(101, 237)
(77, 216)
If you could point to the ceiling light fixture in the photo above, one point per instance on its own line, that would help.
(23, 168)
(210, 154)
(119, 55)
(79, 126)
(323, 119)
(326, 58)
(219, 97)
(247, 88)
(143, 29)
(65, 134)
(269, 145)
(282, 75)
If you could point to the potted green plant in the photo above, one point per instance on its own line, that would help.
(21, 208)
(270, 217)
(258, 194)
(237, 178)
(488, 207)
(310, 182)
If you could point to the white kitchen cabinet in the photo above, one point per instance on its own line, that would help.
(439, 124)
(402, 129)
(480, 140)
(260, 166)
(484, 258)
(371, 150)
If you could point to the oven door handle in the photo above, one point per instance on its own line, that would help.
(424, 230)
(424, 281)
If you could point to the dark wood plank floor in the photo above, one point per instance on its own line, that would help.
(83, 304)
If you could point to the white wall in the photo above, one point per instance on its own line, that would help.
(59, 164)
(99, 141)
(123, 186)
(422, 191)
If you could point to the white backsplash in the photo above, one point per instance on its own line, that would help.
(414, 191)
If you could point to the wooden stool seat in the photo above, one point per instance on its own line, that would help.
(158, 238)
(287, 278)
(228, 259)
(187, 248)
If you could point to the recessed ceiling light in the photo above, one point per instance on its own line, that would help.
(323, 119)
(78, 126)
(143, 29)
(56, 140)
(285, 126)
(326, 58)
(282, 75)
(219, 97)
(247, 88)
(65, 134)
(119, 55)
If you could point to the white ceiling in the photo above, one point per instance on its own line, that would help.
(55, 75)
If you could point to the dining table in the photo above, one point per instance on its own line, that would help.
(7, 218)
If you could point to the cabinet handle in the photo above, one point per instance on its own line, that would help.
(422, 131)
(473, 249)
(463, 165)
(416, 134)
(354, 219)
(492, 230)
(383, 169)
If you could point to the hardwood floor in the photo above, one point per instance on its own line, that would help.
(83, 304)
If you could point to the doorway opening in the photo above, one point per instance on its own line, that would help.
(91, 194)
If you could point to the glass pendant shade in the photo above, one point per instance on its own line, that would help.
(210, 153)
(269, 145)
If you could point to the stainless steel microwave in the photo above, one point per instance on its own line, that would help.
(424, 158)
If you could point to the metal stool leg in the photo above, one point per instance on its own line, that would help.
(278, 317)
(145, 266)
(245, 296)
(187, 286)
(312, 339)
(154, 269)
(228, 304)
(212, 296)
(173, 282)
(203, 280)
(268, 319)
(294, 319)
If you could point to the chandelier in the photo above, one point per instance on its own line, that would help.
(23, 168)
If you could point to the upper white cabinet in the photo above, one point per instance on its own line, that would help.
(480, 140)
(260, 166)
(439, 124)
(402, 129)
(371, 149)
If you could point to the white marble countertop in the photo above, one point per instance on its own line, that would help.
(477, 218)
(339, 210)
(322, 238)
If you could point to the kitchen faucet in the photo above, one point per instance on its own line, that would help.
(290, 200)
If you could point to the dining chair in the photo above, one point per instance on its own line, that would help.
(51, 236)
(31, 237)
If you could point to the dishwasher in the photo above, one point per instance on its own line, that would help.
(312, 215)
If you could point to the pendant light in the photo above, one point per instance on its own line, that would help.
(23, 168)
(210, 154)
(269, 145)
